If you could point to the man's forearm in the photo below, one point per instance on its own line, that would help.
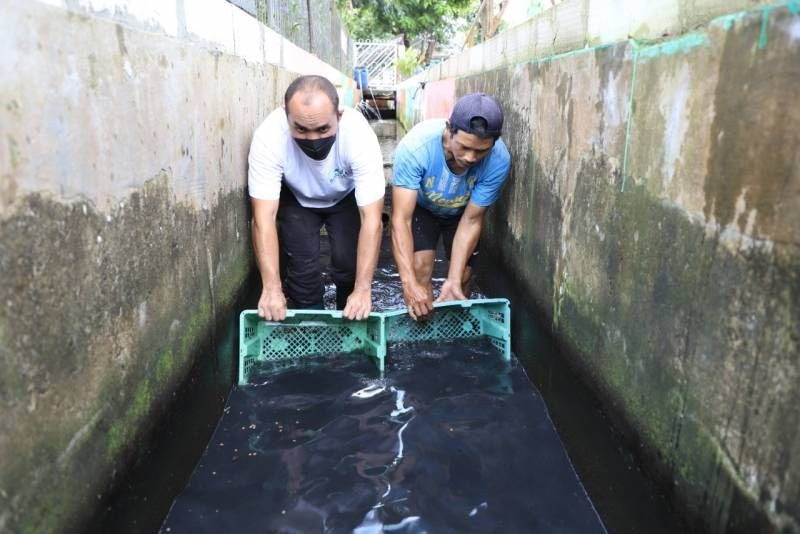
(403, 248)
(369, 245)
(464, 243)
(265, 242)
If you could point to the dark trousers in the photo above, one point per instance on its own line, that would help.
(299, 234)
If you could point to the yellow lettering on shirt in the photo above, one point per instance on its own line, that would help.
(455, 202)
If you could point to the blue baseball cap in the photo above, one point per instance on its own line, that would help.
(477, 106)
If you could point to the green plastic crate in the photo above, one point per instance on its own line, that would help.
(455, 320)
(311, 332)
(306, 333)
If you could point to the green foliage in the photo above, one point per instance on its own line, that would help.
(380, 19)
(408, 63)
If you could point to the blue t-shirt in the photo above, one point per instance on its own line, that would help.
(419, 164)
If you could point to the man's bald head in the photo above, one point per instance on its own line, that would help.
(312, 84)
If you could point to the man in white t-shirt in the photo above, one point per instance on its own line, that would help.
(314, 164)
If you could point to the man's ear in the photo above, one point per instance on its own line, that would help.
(339, 113)
(448, 131)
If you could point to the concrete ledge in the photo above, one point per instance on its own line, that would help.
(213, 24)
(575, 24)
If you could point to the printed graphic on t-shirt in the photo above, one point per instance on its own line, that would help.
(449, 191)
(341, 174)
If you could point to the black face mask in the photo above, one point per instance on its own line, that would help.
(317, 149)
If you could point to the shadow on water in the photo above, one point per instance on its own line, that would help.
(167, 454)
(626, 499)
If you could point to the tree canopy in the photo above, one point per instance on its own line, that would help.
(411, 19)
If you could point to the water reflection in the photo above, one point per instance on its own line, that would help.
(453, 439)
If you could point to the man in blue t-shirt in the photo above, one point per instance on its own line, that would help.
(446, 175)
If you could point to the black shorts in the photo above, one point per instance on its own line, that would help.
(427, 227)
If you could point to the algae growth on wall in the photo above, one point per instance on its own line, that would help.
(124, 228)
(653, 217)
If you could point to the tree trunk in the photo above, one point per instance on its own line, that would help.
(430, 48)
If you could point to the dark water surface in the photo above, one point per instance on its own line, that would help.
(502, 450)
(451, 439)
(333, 459)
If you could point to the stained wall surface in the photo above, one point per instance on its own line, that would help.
(652, 217)
(124, 225)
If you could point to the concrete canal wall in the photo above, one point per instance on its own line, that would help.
(653, 220)
(124, 225)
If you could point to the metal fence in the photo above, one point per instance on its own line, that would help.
(313, 25)
(329, 38)
(380, 60)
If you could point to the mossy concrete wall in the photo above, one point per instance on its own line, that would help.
(653, 218)
(124, 226)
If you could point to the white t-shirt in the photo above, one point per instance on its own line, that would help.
(354, 162)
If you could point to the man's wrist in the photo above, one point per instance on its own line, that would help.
(407, 278)
(360, 288)
(455, 280)
(409, 285)
(271, 287)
